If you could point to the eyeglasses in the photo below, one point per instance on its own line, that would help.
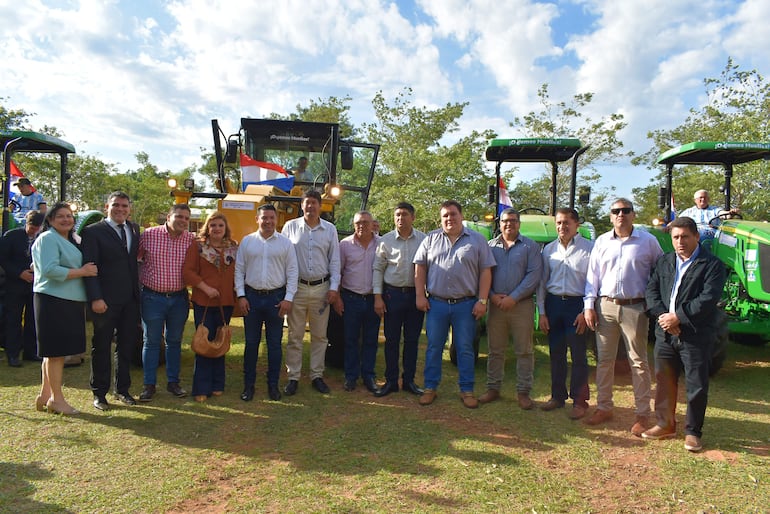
(509, 221)
(624, 210)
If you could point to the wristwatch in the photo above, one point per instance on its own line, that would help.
(483, 301)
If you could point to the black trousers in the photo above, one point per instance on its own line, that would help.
(19, 317)
(120, 322)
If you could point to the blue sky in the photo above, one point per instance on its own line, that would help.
(119, 77)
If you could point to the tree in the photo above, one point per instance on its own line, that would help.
(15, 119)
(737, 108)
(566, 120)
(415, 164)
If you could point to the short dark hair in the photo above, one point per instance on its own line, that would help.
(451, 203)
(405, 205)
(566, 211)
(179, 207)
(35, 218)
(312, 193)
(118, 194)
(267, 207)
(685, 222)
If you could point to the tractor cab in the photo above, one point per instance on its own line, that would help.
(743, 246)
(537, 224)
(275, 161)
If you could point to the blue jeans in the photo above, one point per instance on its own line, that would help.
(440, 317)
(401, 313)
(163, 316)
(561, 316)
(362, 327)
(209, 374)
(263, 309)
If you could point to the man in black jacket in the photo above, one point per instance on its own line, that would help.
(16, 260)
(112, 245)
(682, 296)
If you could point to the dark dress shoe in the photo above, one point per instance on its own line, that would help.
(273, 393)
(320, 386)
(14, 362)
(100, 402)
(248, 393)
(413, 388)
(389, 387)
(291, 388)
(148, 391)
(371, 385)
(125, 398)
(350, 385)
(176, 390)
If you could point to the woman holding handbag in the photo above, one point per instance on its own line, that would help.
(210, 269)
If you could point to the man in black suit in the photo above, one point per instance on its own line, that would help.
(682, 295)
(16, 260)
(112, 245)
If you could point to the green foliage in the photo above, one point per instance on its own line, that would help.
(737, 109)
(416, 165)
(330, 110)
(13, 119)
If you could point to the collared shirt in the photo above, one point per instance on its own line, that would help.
(318, 250)
(356, 263)
(162, 259)
(618, 268)
(681, 268)
(453, 269)
(393, 260)
(519, 267)
(116, 228)
(564, 269)
(266, 264)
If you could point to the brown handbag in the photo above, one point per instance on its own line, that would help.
(211, 349)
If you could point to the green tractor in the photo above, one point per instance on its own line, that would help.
(743, 246)
(536, 224)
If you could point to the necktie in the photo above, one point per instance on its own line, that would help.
(123, 238)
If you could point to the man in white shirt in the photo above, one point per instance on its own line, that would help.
(318, 258)
(702, 213)
(616, 281)
(265, 282)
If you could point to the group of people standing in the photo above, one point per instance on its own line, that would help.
(450, 277)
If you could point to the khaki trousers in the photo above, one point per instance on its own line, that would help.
(518, 323)
(309, 307)
(630, 322)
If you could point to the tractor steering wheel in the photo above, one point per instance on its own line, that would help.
(717, 220)
(533, 209)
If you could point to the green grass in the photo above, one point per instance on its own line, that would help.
(351, 452)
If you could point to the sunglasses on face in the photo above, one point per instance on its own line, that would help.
(624, 210)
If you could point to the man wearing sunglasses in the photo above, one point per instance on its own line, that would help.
(614, 306)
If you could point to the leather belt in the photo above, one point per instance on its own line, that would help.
(396, 288)
(357, 295)
(451, 301)
(265, 292)
(315, 282)
(167, 295)
(624, 301)
(564, 297)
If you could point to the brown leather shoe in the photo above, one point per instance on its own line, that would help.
(469, 400)
(552, 404)
(692, 443)
(490, 396)
(640, 426)
(659, 432)
(578, 411)
(599, 417)
(428, 397)
(525, 402)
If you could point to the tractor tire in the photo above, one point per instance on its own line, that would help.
(335, 333)
(719, 352)
(749, 339)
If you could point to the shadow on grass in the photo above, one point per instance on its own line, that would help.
(16, 488)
